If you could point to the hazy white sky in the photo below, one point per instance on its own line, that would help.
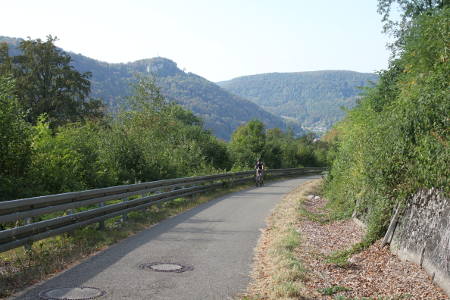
(216, 39)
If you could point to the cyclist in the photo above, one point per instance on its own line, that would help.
(259, 166)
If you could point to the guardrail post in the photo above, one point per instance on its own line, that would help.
(124, 217)
(28, 246)
(190, 197)
(101, 224)
(69, 212)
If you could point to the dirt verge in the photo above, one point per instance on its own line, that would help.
(374, 273)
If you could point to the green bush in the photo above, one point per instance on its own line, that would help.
(15, 142)
(68, 159)
(395, 141)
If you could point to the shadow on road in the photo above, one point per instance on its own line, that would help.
(94, 265)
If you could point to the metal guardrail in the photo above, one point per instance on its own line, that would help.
(36, 218)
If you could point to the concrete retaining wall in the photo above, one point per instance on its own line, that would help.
(422, 235)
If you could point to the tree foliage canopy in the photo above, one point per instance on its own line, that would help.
(247, 143)
(409, 11)
(15, 140)
(276, 148)
(46, 82)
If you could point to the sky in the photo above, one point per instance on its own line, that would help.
(216, 39)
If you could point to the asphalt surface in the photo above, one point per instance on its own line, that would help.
(216, 240)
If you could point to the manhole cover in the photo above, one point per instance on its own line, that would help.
(73, 293)
(166, 267)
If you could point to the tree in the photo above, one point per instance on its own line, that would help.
(409, 10)
(46, 82)
(15, 141)
(273, 152)
(153, 138)
(247, 143)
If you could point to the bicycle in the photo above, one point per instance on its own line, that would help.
(259, 178)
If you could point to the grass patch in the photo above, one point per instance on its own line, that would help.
(322, 218)
(319, 217)
(20, 268)
(329, 291)
(288, 268)
(276, 255)
(251, 298)
(340, 258)
(399, 297)
(287, 289)
(289, 242)
(256, 297)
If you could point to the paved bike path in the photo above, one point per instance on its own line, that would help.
(216, 239)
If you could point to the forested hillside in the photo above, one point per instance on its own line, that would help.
(314, 99)
(221, 111)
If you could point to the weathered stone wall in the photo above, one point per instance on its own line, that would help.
(422, 235)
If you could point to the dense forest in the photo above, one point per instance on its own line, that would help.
(55, 137)
(221, 111)
(396, 140)
(314, 99)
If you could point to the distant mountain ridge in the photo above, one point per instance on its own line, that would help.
(221, 111)
(312, 98)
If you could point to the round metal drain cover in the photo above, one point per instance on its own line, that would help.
(73, 293)
(165, 267)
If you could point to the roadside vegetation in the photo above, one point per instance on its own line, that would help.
(54, 138)
(396, 140)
